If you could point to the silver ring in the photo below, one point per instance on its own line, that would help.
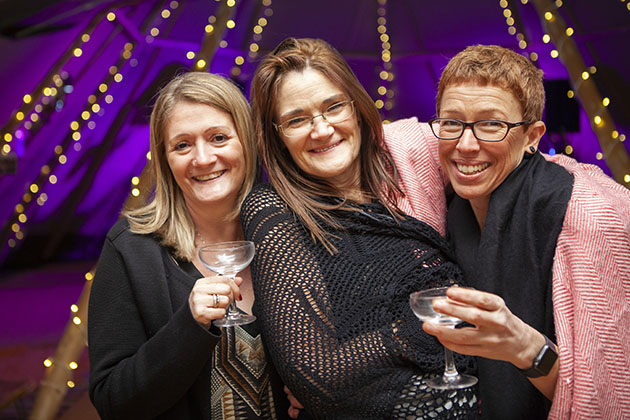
(215, 297)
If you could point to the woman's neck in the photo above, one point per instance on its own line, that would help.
(480, 208)
(211, 227)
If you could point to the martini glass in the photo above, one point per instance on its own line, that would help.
(228, 259)
(422, 306)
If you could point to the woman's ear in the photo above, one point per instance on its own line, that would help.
(534, 133)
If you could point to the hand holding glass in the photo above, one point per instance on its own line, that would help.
(422, 306)
(228, 259)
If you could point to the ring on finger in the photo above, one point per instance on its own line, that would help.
(216, 300)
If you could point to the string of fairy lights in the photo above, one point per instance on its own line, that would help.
(95, 105)
(513, 29)
(386, 75)
(254, 41)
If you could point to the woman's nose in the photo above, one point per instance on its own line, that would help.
(321, 128)
(468, 142)
(204, 154)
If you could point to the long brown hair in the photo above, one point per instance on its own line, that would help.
(300, 191)
(166, 214)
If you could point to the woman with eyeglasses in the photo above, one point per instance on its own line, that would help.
(336, 257)
(547, 247)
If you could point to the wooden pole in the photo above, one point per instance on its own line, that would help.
(601, 121)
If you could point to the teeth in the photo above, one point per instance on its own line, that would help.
(471, 169)
(325, 148)
(209, 176)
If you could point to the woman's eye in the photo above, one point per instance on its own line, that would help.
(335, 107)
(180, 146)
(296, 122)
(220, 138)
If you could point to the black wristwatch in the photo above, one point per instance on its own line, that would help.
(543, 362)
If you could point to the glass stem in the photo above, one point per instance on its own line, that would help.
(231, 308)
(450, 371)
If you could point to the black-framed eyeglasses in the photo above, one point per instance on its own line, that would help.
(484, 130)
(303, 124)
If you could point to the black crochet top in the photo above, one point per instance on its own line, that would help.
(339, 327)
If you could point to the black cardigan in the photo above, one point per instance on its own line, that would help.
(149, 358)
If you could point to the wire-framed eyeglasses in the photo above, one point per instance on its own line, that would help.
(303, 124)
(484, 130)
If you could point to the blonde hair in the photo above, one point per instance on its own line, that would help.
(494, 65)
(300, 191)
(166, 214)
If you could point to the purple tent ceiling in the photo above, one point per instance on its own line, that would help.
(79, 148)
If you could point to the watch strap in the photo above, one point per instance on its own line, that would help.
(544, 360)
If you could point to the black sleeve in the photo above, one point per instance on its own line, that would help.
(144, 356)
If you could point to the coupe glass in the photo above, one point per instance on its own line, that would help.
(228, 259)
(422, 305)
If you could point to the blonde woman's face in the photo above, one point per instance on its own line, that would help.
(205, 155)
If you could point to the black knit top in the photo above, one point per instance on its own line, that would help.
(339, 327)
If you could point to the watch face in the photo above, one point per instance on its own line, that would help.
(547, 359)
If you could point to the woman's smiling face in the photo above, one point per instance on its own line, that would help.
(328, 151)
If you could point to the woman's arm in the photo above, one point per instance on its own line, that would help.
(143, 356)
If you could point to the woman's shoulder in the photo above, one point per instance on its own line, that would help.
(121, 236)
(262, 196)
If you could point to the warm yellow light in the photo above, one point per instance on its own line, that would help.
(266, 3)
(73, 365)
(533, 56)
(570, 94)
(511, 30)
(53, 91)
(96, 108)
(63, 159)
(8, 137)
(92, 99)
(507, 13)
(111, 16)
(27, 197)
(34, 188)
(223, 43)
(85, 115)
(85, 37)
(74, 125)
(592, 69)
(11, 243)
(382, 90)
(174, 4)
(253, 47)
(135, 192)
(201, 63)
(52, 179)
(166, 13)
(102, 87)
(522, 44)
(262, 21)
(118, 77)
(622, 138)
(34, 117)
(626, 177)
(45, 169)
(113, 70)
(379, 103)
(27, 99)
(70, 384)
(568, 150)
(22, 218)
(546, 38)
(190, 55)
(231, 3)
(548, 16)
(381, 29)
(148, 155)
(15, 227)
(569, 31)
(77, 52)
(598, 120)
(19, 235)
(599, 156)
(558, 3)
(6, 149)
(19, 116)
(258, 29)
(209, 29)
(109, 99)
(135, 180)
(510, 21)
(615, 134)
(585, 75)
(230, 24)
(76, 136)
(239, 60)
(154, 31)
(76, 320)
(236, 71)
(503, 4)
(606, 101)
(89, 276)
(74, 308)
(48, 363)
